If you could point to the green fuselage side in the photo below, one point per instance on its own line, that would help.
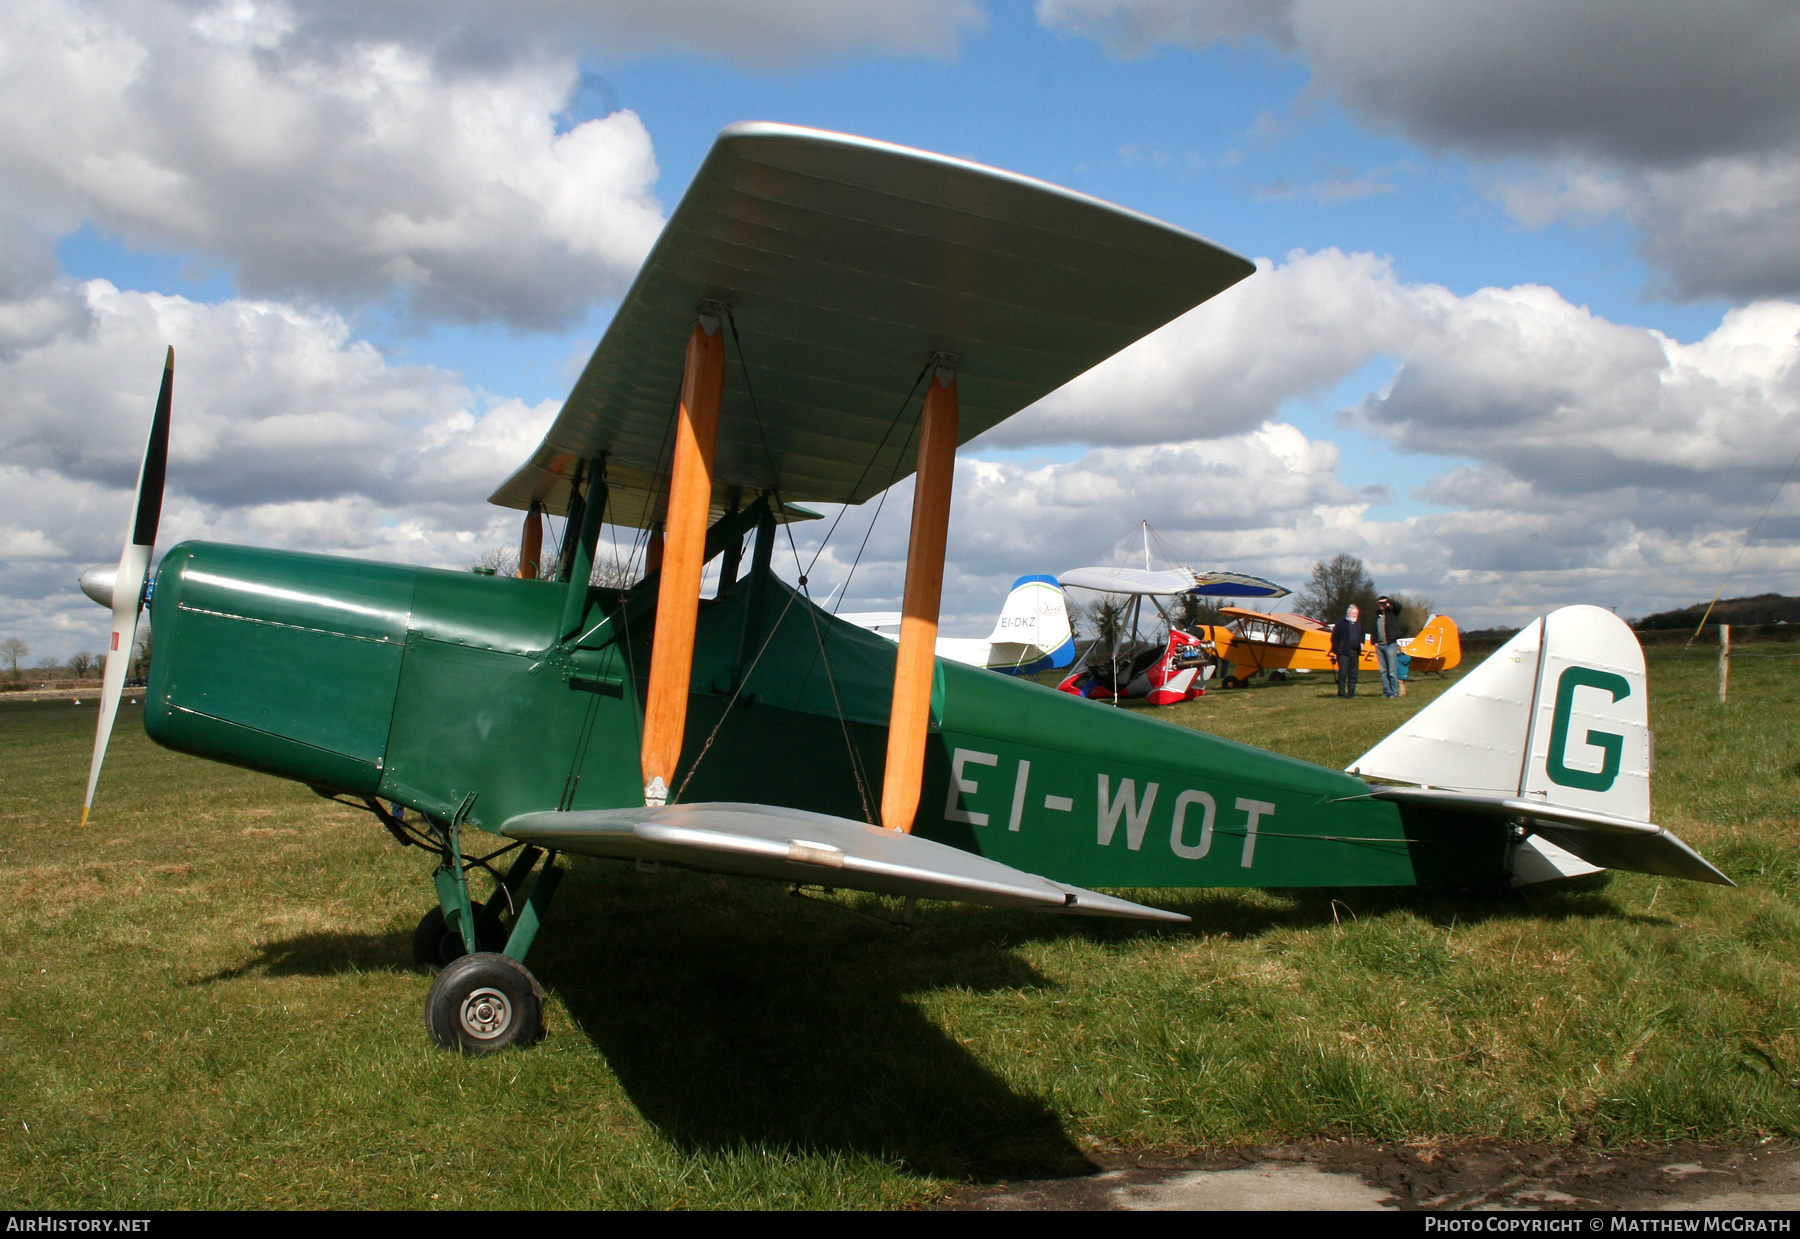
(450, 693)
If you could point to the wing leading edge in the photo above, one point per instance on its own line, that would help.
(844, 264)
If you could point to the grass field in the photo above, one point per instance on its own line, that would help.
(208, 1000)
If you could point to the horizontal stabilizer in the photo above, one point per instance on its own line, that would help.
(1598, 838)
(815, 849)
(1552, 729)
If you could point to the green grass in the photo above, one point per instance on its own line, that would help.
(208, 1002)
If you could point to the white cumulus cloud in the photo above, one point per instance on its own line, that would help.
(339, 173)
(1683, 116)
(286, 432)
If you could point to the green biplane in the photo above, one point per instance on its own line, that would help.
(822, 316)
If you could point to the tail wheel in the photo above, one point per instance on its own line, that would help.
(483, 1003)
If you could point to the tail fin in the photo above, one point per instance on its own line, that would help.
(1033, 632)
(1438, 647)
(1553, 731)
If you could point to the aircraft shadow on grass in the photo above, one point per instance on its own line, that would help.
(321, 955)
(734, 1018)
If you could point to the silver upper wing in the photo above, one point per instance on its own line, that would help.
(845, 264)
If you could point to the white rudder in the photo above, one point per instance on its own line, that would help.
(1553, 732)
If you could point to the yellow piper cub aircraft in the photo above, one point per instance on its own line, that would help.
(822, 316)
(1278, 642)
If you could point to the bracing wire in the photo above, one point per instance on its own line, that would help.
(899, 463)
(743, 680)
(856, 765)
(556, 540)
(894, 476)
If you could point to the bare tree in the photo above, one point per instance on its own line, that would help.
(1104, 616)
(80, 663)
(497, 561)
(12, 650)
(610, 572)
(140, 662)
(1415, 609)
(1191, 613)
(1335, 586)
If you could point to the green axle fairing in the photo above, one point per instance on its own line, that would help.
(457, 695)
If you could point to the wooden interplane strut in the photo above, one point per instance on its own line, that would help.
(909, 719)
(531, 542)
(684, 557)
(653, 551)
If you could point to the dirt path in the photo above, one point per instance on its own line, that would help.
(1475, 1175)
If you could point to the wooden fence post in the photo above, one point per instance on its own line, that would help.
(1724, 660)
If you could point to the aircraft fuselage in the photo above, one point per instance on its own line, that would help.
(450, 693)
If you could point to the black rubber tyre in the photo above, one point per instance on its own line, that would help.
(435, 946)
(1278, 677)
(483, 1003)
(1231, 681)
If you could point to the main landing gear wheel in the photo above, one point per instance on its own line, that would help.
(482, 1003)
(434, 945)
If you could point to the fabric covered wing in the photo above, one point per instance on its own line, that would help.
(792, 845)
(845, 264)
(1286, 619)
(1222, 584)
(1130, 580)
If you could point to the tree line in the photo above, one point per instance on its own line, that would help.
(80, 665)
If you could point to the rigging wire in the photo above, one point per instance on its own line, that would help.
(556, 541)
(894, 476)
(743, 681)
(856, 766)
(860, 773)
(899, 463)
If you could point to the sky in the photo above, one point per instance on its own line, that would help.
(1524, 331)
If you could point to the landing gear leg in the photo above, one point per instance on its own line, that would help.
(525, 925)
(484, 999)
(435, 944)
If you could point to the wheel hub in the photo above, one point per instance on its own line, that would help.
(486, 1013)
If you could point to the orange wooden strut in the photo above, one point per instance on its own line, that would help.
(653, 552)
(684, 558)
(531, 542)
(909, 718)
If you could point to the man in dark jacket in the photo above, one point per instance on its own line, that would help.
(1346, 650)
(1387, 645)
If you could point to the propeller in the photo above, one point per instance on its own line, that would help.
(126, 589)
